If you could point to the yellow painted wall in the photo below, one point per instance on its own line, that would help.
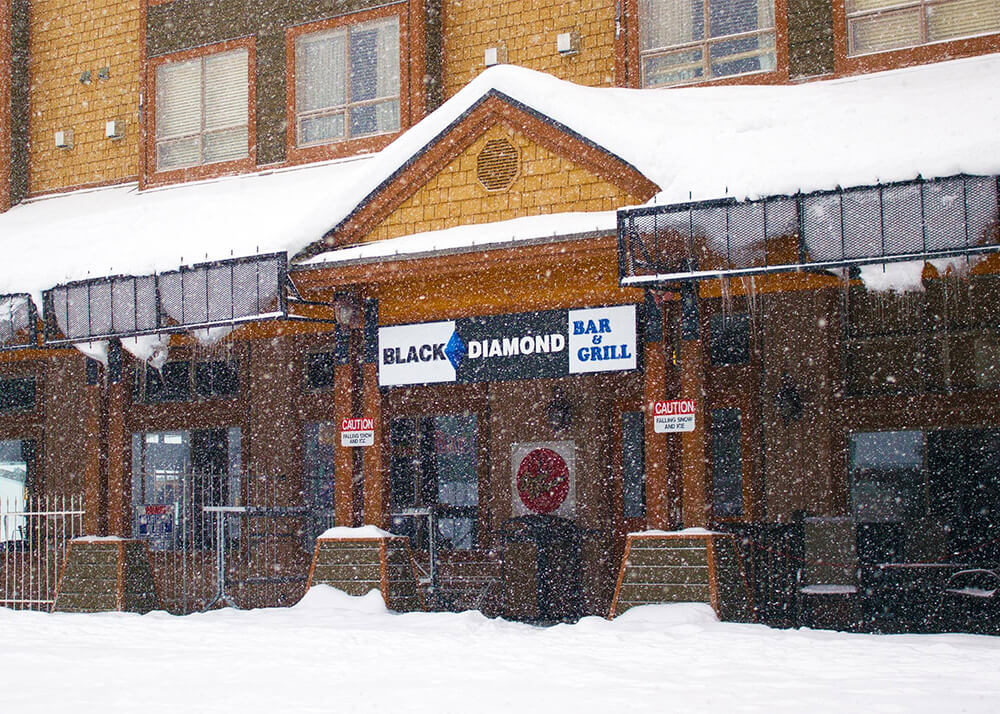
(547, 183)
(528, 30)
(67, 38)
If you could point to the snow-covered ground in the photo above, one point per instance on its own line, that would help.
(332, 653)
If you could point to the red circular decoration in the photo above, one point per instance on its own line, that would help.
(542, 480)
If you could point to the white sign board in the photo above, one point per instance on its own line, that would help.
(357, 432)
(415, 354)
(602, 339)
(672, 416)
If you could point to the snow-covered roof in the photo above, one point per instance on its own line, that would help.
(694, 143)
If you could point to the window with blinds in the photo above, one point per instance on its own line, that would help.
(202, 110)
(695, 40)
(880, 25)
(347, 82)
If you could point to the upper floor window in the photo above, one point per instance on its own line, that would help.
(202, 110)
(347, 82)
(695, 40)
(880, 25)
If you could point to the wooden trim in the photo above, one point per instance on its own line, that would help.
(416, 575)
(494, 109)
(713, 578)
(82, 187)
(407, 65)
(62, 575)
(383, 563)
(621, 577)
(312, 565)
(632, 72)
(389, 269)
(150, 176)
(845, 65)
(120, 594)
(376, 484)
(6, 121)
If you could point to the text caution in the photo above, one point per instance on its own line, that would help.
(357, 432)
(675, 415)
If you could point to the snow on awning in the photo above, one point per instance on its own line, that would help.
(18, 328)
(912, 220)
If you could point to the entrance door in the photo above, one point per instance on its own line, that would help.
(964, 467)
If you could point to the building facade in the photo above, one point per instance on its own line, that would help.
(501, 381)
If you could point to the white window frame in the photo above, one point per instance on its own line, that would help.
(345, 108)
(704, 45)
(162, 140)
(920, 7)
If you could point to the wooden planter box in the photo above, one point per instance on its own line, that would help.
(661, 567)
(360, 565)
(106, 576)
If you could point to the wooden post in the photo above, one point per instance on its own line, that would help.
(696, 506)
(343, 388)
(376, 485)
(118, 452)
(657, 476)
(92, 486)
(376, 498)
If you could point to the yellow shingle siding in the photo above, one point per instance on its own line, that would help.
(545, 183)
(527, 29)
(67, 38)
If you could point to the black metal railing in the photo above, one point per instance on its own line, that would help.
(921, 219)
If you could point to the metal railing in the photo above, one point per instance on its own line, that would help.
(244, 540)
(33, 535)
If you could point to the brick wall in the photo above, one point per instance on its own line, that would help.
(546, 183)
(68, 38)
(528, 29)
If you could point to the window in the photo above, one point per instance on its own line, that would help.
(202, 110)
(730, 339)
(16, 457)
(17, 394)
(321, 442)
(347, 82)
(880, 25)
(434, 466)
(693, 40)
(887, 476)
(177, 381)
(727, 464)
(633, 465)
(175, 474)
(321, 370)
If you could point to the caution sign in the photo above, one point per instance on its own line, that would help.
(672, 416)
(357, 432)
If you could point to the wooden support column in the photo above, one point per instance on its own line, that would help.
(695, 504)
(118, 473)
(655, 389)
(92, 471)
(376, 485)
(343, 408)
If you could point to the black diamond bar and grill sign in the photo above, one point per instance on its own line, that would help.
(18, 322)
(493, 348)
(224, 292)
(913, 220)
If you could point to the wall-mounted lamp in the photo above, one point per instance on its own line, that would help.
(568, 43)
(495, 55)
(559, 411)
(64, 139)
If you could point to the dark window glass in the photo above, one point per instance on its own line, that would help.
(17, 394)
(730, 339)
(433, 467)
(633, 465)
(216, 379)
(172, 383)
(727, 464)
(320, 370)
